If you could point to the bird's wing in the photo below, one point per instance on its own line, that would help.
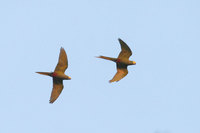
(121, 72)
(125, 50)
(57, 89)
(62, 62)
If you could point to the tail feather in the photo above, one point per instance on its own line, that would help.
(44, 73)
(107, 58)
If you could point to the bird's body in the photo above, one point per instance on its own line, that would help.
(58, 75)
(122, 61)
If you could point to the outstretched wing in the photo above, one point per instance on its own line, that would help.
(57, 89)
(125, 50)
(62, 62)
(121, 72)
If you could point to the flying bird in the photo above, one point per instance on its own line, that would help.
(58, 75)
(122, 61)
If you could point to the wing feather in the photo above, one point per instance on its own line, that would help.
(62, 62)
(121, 72)
(57, 89)
(125, 50)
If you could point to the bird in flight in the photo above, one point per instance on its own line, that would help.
(122, 61)
(58, 75)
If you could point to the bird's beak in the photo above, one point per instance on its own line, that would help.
(69, 78)
(134, 63)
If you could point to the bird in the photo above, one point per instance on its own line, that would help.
(122, 61)
(58, 75)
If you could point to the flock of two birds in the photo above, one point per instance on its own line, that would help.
(122, 61)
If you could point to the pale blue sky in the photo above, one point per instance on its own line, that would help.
(161, 94)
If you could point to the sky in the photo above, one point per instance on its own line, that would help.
(159, 95)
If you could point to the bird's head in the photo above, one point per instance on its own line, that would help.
(67, 77)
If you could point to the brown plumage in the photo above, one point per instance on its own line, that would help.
(122, 61)
(58, 75)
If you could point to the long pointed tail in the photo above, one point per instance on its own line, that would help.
(45, 73)
(107, 58)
